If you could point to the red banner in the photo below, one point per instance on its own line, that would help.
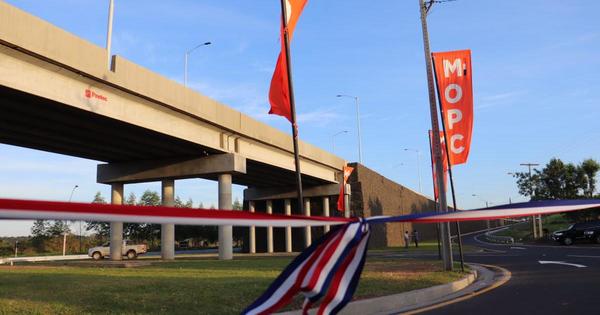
(455, 91)
(279, 92)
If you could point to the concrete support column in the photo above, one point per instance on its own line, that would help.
(541, 230)
(307, 233)
(225, 231)
(534, 227)
(347, 201)
(270, 228)
(252, 236)
(288, 229)
(167, 231)
(326, 212)
(116, 228)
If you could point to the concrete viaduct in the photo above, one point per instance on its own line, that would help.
(58, 94)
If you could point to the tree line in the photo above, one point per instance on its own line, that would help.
(558, 180)
(43, 231)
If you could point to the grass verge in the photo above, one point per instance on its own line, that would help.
(200, 286)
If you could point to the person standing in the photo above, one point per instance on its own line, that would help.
(406, 239)
(416, 238)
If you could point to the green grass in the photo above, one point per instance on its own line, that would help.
(201, 286)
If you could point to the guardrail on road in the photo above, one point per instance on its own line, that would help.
(492, 238)
(42, 258)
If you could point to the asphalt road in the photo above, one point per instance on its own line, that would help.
(535, 288)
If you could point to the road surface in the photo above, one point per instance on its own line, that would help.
(561, 285)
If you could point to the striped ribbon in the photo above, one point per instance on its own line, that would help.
(327, 271)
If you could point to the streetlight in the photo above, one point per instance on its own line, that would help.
(111, 6)
(72, 191)
(187, 54)
(332, 139)
(487, 204)
(418, 165)
(357, 124)
(65, 234)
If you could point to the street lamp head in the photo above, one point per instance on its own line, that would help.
(207, 43)
(339, 95)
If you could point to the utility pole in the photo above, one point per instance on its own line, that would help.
(444, 227)
(533, 218)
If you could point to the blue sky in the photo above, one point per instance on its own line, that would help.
(536, 67)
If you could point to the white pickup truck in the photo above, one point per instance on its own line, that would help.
(129, 250)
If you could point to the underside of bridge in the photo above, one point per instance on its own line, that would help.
(38, 123)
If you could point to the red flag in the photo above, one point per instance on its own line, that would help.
(455, 90)
(279, 93)
(444, 162)
(341, 205)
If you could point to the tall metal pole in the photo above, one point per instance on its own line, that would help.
(418, 165)
(185, 67)
(533, 218)
(333, 140)
(445, 227)
(111, 7)
(185, 63)
(292, 106)
(458, 234)
(360, 159)
(71, 197)
(437, 205)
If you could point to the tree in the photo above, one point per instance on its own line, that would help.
(59, 227)
(590, 168)
(558, 180)
(40, 234)
(40, 228)
(143, 231)
(237, 205)
(102, 229)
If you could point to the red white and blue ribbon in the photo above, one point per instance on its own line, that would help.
(327, 271)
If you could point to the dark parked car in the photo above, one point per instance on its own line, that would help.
(585, 231)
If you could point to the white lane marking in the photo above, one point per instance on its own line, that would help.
(515, 247)
(544, 262)
(584, 256)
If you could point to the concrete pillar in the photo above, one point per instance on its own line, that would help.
(534, 227)
(270, 228)
(167, 231)
(225, 231)
(116, 228)
(541, 231)
(288, 229)
(307, 233)
(347, 201)
(326, 212)
(252, 237)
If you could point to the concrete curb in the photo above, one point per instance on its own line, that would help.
(407, 301)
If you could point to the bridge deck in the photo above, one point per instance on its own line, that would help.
(57, 95)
